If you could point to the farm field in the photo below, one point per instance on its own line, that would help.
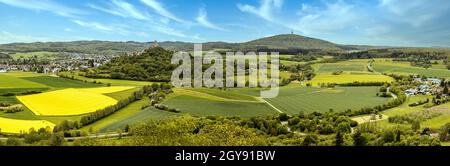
(340, 66)
(349, 78)
(208, 102)
(17, 126)
(10, 82)
(110, 81)
(293, 100)
(202, 107)
(393, 68)
(56, 82)
(122, 114)
(70, 101)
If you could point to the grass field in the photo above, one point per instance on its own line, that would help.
(130, 115)
(57, 82)
(139, 117)
(110, 81)
(17, 126)
(123, 113)
(349, 78)
(293, 100)
(202, 107)
(17, 83)
(70, 101)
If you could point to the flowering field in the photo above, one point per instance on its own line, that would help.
(70, 101)
(17, 126)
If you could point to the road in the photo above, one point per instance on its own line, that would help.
(106, 135)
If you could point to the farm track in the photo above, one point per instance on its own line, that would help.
(264, 101)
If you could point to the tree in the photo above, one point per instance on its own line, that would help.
(445, 132)
(339, 139)
(343, 127)
(415, 125)
(310, 140)
(283, 117)
(445, 91)
(359, 139)
(57, 139)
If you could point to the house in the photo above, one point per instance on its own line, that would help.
(434, 81)
(410, 92)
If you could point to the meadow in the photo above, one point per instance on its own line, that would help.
(10, 82)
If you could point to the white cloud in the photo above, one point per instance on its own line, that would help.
(102, 27)
(7, 37)
(265, 10)
(333, 17)
(45, 5)
(202, 19)
(415, 12)
(158, 7)
(123, 9)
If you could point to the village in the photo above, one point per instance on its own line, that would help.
(426, 86)
(64, 62)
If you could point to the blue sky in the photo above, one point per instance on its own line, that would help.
(376, 22)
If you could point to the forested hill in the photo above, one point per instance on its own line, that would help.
(292, 41)
(153, 64)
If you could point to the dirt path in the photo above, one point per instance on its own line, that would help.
(275, 108)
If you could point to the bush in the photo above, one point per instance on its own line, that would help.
(12, 108)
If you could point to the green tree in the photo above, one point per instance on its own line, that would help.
(310, 140)
(339, 140)
(359, 139)
(57, 139)
(444, 134)
(415, 125)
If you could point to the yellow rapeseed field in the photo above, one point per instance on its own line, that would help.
(16, 126)
(349, 78)
(70, 101)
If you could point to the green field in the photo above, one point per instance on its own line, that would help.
(405, 69)
(57, 82)
(17, 83)
(110, 81)
(202, 107)
(293, 100)
(120, 115)
(349, 78)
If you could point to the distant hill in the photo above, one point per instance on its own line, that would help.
(278, 42)
(289, 41)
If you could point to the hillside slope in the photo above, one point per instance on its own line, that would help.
(292, 41)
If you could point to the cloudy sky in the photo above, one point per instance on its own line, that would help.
(376, 22)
